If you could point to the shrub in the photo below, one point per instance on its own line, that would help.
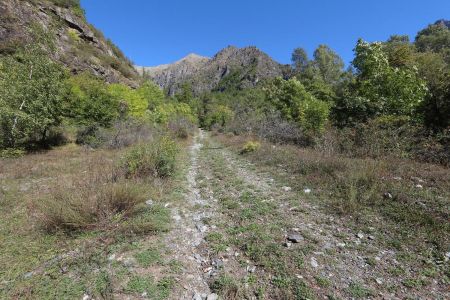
(181, 127)
(122, 134)
(314, 115)
(12, 153)
(153, 159)
(250, 146)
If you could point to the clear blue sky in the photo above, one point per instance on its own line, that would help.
(153, 32)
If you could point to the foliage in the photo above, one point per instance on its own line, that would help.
(169, 111)
(152, 159)
(90, 101)
(314, 115)
(152, 94)
(299, 60)
(220, 115)
(31, 97)
(250, 146)
(434, 38)
(137, 105)
(296, 104)
(327, 64)
(380, 88)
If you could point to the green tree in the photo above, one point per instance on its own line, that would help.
(152, 94)
(328, 64)
(296, 104)
(299, 60)
(90, 101)
(31, 96)
(380, 89)
(137, 105)
(434, 38)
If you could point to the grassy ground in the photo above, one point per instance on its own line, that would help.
(47, 263)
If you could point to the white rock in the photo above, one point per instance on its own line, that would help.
(112, 257)
(212, 297)
(314, 262)
(307, 191)
(286, 188)
(144, 295)
(149, 202)
(360, 235)
(341, 245)
(197, 296)
(419, 186)
(86, 297)
(379, 281)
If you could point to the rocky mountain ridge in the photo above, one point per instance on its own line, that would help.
(78, 45)
(230, 67)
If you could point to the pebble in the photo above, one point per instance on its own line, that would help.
(388, 196)
(212, 297)
(251, 269)
(144, 294)
(360, 235)
(112, 257)
(149, 202)
(286, 188)
(379, 281)
(419, 186)
(371, 237)
(197, 296)
(341, 245)
(201, 227)
(86, 297)
(294, 237)
(287, 244)
(314, 262)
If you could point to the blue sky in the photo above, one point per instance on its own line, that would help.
(152, 32)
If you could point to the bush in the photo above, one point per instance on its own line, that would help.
(181, 127)
(314, 115)
(153, 159)
(121, 134)
(12, 153)
(250, 146)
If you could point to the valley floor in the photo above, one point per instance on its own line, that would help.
(240, 227)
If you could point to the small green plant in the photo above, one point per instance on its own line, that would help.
(250, 146)
(73, 35)
(358, 291)
(322, 281)
(148, 257)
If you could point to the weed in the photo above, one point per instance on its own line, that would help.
(148, 257)
(358, 291)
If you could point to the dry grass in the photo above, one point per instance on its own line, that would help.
(411, 196)
(88, 206)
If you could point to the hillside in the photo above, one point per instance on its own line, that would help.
(79, 45)
(231, 67)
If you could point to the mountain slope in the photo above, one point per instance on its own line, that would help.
(230, 68)
(171, 74)
(78, 45)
